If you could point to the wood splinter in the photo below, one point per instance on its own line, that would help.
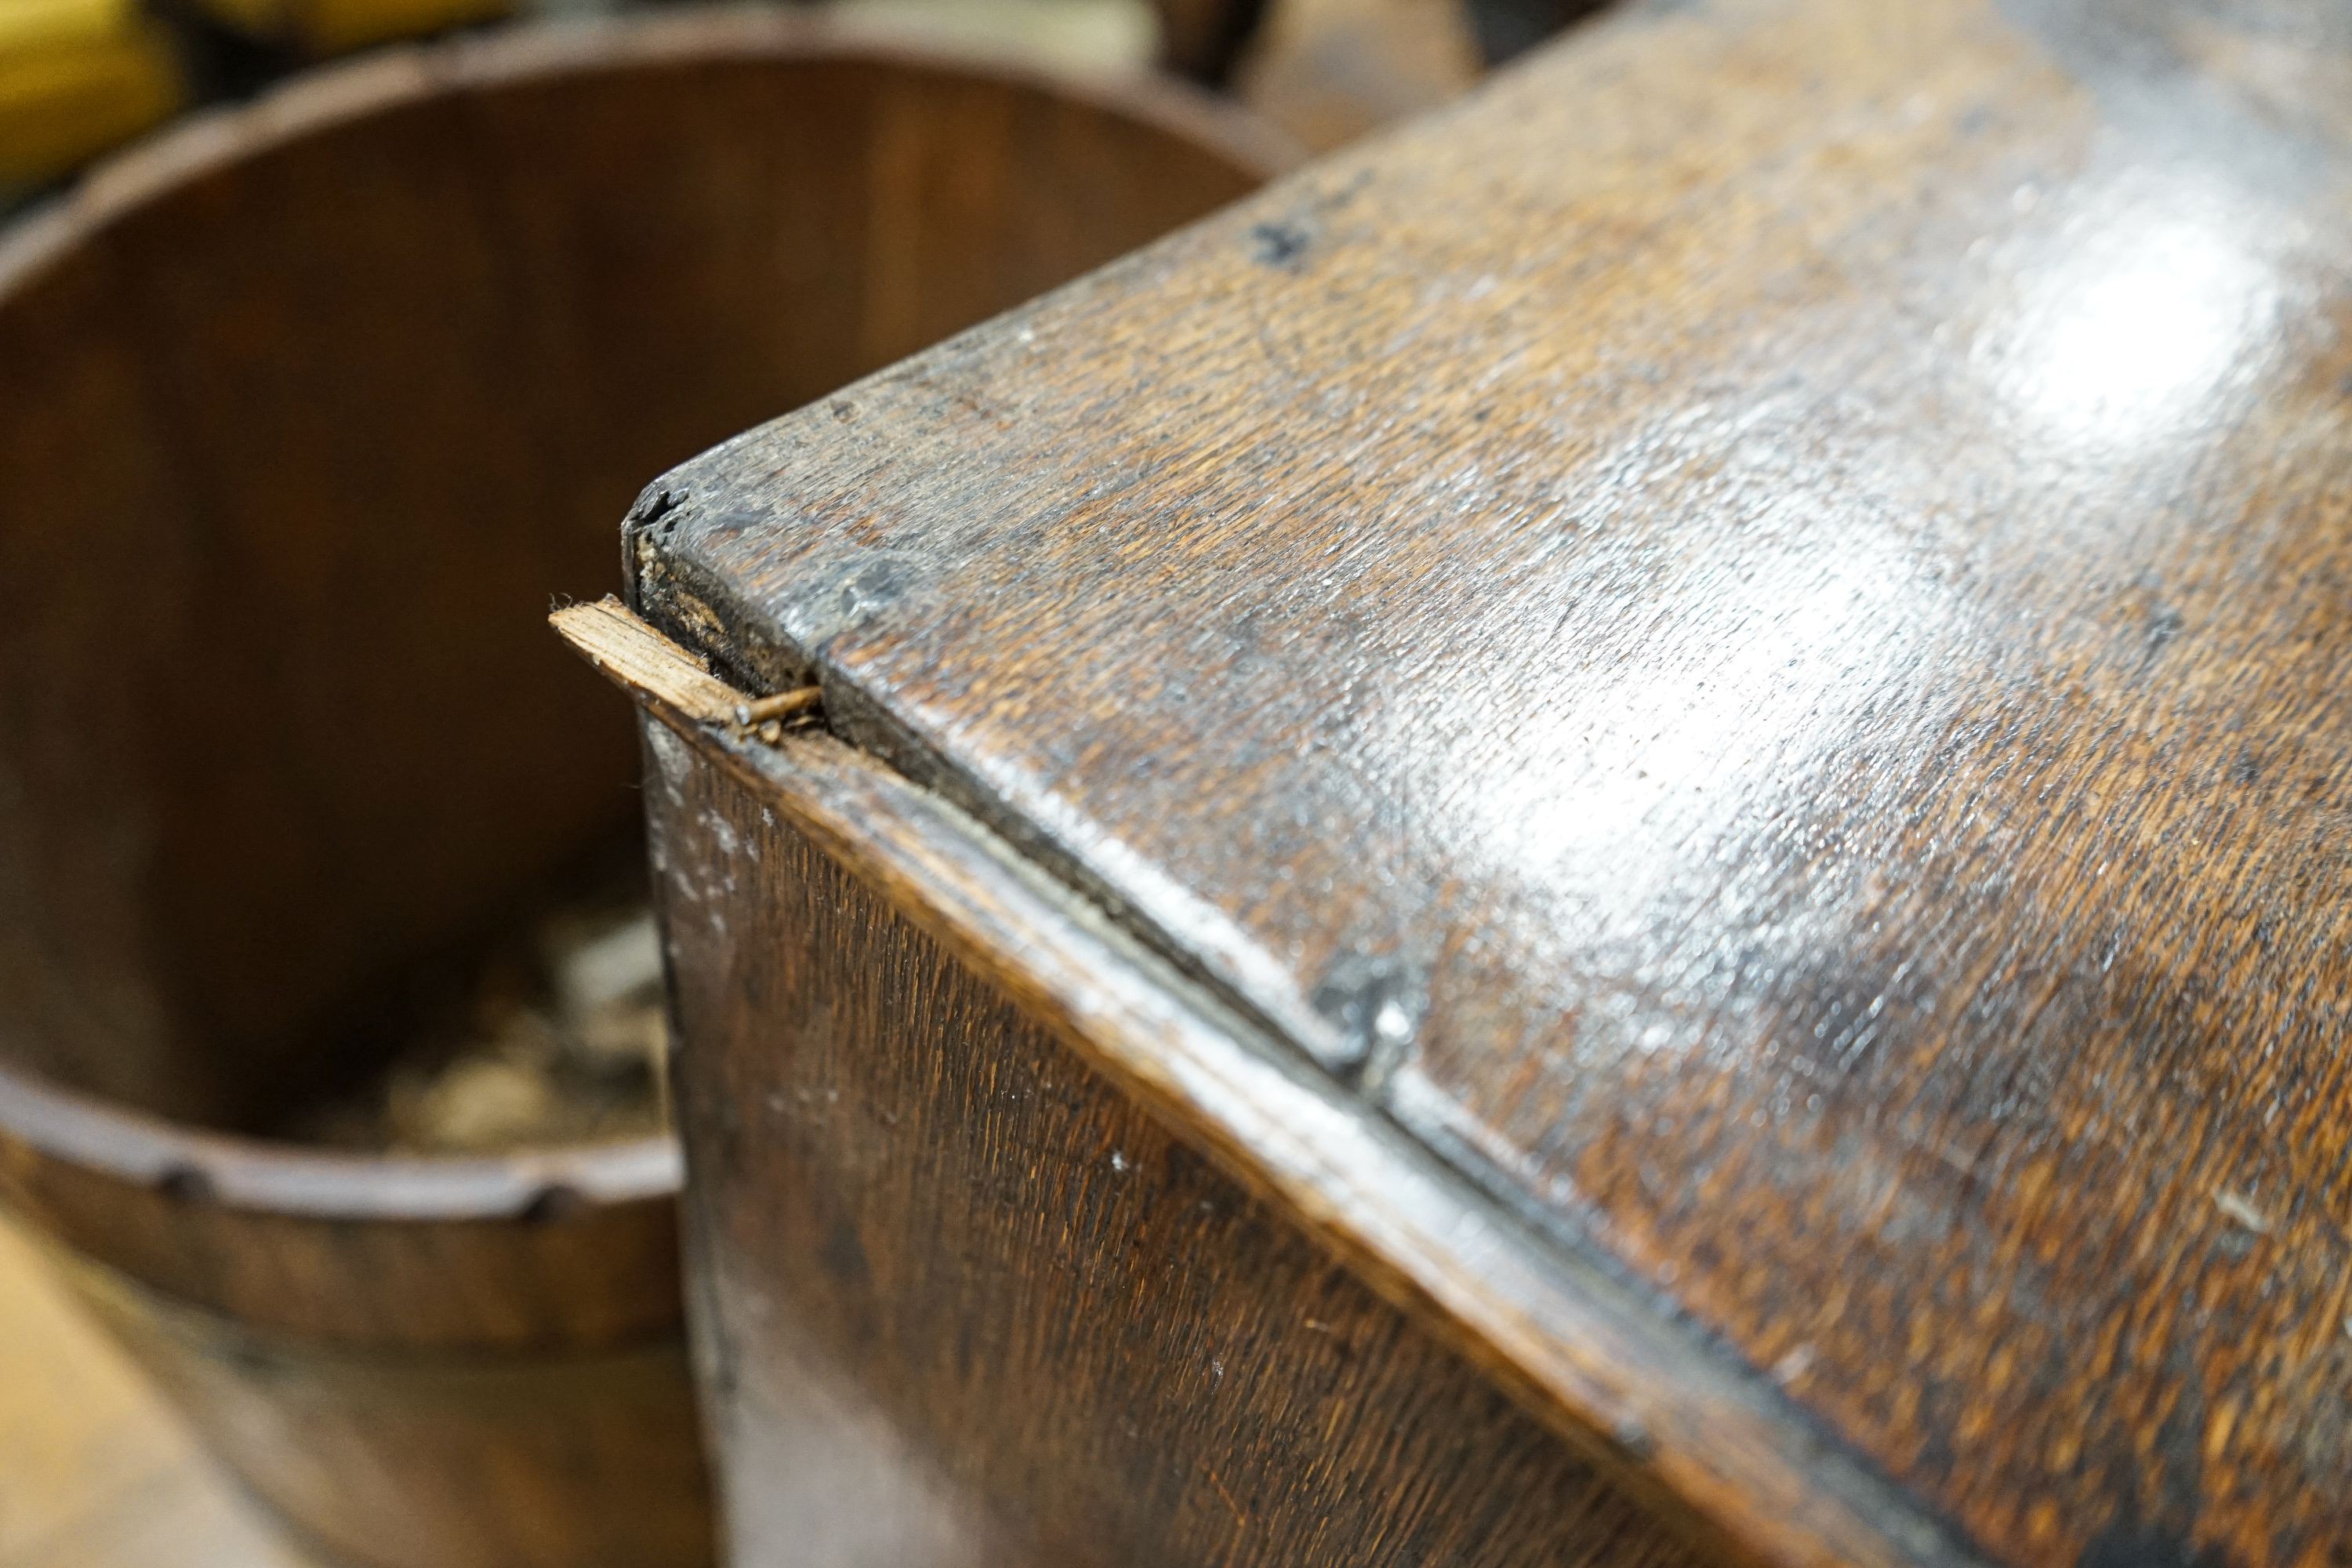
(616, 641)
(768, 712)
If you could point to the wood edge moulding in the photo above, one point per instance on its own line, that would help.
(1713, 1444)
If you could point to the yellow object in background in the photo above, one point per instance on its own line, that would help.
(76, 78)
(332, 26)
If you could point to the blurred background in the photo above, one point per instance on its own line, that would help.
(80, 77)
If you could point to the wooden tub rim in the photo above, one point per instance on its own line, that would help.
(264, 1175)
(403, 76)
(267, 1176)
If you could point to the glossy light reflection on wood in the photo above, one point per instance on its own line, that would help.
(1748, 635)
(965, 1305)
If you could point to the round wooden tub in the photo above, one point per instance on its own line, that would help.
(310, 411)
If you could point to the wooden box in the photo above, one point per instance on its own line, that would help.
(1619, 832)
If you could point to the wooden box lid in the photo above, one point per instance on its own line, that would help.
(1748, 638)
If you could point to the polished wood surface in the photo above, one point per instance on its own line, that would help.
(309, 408)
(963, 1300)
(1581, 1351)
(1747, 638)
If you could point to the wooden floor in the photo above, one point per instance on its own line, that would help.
(95, 1472)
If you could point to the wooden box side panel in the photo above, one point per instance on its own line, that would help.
(961, 1303)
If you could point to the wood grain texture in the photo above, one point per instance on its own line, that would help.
(1747, 636)
(1584, 1353)
(966, 1304)
(309, 410)
(314, 406)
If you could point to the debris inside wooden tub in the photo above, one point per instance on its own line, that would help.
(554, 1036)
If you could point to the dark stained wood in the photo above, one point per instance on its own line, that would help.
(308, 411)
(966, 1304)
(1578, 1348)
(561, 274)
(1746, 636)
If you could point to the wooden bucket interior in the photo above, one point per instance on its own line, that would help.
(311, 414)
